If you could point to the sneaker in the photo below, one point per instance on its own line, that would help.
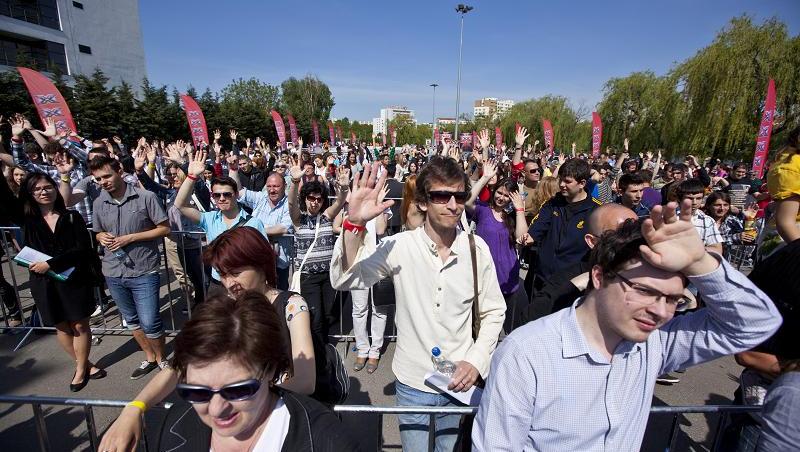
(667, 379)
(98, 311)
(164, 365)
(145, 368)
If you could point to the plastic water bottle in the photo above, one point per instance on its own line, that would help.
(440, 364)
(124, 258)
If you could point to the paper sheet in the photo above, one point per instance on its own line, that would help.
(439, 381)
(29, 255)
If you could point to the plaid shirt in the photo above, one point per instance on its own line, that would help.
(707, 228)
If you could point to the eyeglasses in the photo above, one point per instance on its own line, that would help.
(443, 197)
(312, 198)
(241, 390)
(222, 194)
(46, 189)
(647, 296)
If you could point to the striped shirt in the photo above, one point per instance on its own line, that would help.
(319, 260)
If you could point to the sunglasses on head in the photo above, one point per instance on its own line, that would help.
(443, 197)
(222, 194)
(241, 390)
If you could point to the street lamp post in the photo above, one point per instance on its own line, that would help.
(433, 130)
(461, 9)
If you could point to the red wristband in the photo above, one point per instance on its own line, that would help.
(354, 228)
(191, 177)
(520, 210)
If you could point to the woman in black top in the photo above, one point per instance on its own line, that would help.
(53, 230)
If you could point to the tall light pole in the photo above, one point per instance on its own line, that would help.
(461, 9)
(433, 130)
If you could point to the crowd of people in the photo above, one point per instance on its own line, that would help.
(631, 274)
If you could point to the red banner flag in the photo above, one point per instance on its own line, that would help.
(548, 136)
(196, 120)
(383, 137)
(393, 134)
(597, 134)
(48, 101)
(352, 137)
(764, 131)
(466, 137)
(315, 126)
(436, 137)
(339, 135)
(474, 140)
(498, 137)
(276, 118)
(517, 126)
(331, 133)
(447, 137)
(292, 128)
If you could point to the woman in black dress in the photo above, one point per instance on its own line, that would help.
(53, 230)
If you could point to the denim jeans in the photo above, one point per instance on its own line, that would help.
(414, 427)
(137, 300)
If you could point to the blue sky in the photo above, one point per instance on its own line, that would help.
(375, 53)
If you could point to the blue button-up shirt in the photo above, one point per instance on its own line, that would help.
(549, 389)
(272, 216)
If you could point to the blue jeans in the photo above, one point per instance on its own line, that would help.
(414, 427)
(137, 300)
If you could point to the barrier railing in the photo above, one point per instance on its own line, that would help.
(88, 405)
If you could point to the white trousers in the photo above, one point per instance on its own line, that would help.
(361, 307)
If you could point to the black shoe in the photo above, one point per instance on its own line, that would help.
(145, 368)
(667, 379)
(98, 375)
(75, 387)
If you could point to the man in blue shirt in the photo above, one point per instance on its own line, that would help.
(598, 361)
(224, 193)
(631, 189)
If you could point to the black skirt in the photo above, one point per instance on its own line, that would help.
(56, 301)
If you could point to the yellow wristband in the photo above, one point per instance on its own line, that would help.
(138, 404)
(65, 179)
(151, 165)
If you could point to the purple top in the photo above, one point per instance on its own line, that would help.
(651, 197)
(495, 234)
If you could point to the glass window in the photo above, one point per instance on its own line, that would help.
(84, 49)
(44, 55)
(78, 5)
(40, 12)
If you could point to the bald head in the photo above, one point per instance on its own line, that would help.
(607, 217)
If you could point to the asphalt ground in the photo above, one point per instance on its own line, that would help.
(41, 368)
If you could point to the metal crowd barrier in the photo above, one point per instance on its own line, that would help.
(88, 404)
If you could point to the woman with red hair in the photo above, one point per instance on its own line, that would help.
(245, 261)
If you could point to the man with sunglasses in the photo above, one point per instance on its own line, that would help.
(601, 357)
(432, 271)
(224, 195)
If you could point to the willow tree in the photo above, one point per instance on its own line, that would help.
(569, 123)
(724, 86)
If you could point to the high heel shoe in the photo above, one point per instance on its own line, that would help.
(75, 387)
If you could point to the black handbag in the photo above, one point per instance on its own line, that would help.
(383, 292)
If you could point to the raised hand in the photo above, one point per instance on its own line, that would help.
(521, 136)
(295, 170)
(49, 128)
(672, 240)
(477, 155)
(364, 198)
(574, 146)
(197, 164)
(516, 200)
(17, 125)
(139, 159)
(63, 164)
(489, 169)
(454, 153)
(247, 142)
(233, 162)
(483, 138)
(343, 178)
(232, 133)
(299, 142)
(118, 140)
(649, 155)
(217, 135)
(150, 153)
(625, 144)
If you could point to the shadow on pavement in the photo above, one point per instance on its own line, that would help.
(22, 436)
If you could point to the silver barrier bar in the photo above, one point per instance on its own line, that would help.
(88, 413)
(41, 428)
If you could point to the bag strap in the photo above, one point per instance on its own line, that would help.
(308, 251)
(476, 321)
(241, 222)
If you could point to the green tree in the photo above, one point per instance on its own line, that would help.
(93, 106)
(14, 98)
(245, 106)
(568, 122)
(125, 104)
(307, 99)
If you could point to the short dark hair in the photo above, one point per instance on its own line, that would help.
(577, 169)
(247, 329)
(224, 180)
(646, 175)
(313, 187)
(740, 165)
(628, 179)
(52, 148)
(617, 247)
(442, 170)
(680, 167)
(101, 162)
(689, 187)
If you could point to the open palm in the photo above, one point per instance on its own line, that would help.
(365, 198)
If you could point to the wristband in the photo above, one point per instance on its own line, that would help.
(138, 404)
(354, 228)
(151, 165)
(191, 177)
(296, 181)
(65, 179)
(520, 210)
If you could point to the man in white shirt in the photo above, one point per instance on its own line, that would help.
(694, 191)
(431, 268)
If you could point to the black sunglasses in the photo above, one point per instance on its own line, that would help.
(241, 390)
(443, 197)
(312, 198)
(223, 194)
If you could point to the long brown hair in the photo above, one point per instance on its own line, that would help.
(545, 189)
(408, 197)
(30, 206)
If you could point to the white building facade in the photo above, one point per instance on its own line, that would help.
(381, 124)
(75, 36)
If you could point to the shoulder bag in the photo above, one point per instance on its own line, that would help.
(295, 285)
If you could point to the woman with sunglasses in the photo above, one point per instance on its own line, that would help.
(313, 231)
(230, 377)
(246, 262)
(501, 224)
(60, 233)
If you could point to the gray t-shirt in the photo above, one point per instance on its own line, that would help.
(138, 211)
